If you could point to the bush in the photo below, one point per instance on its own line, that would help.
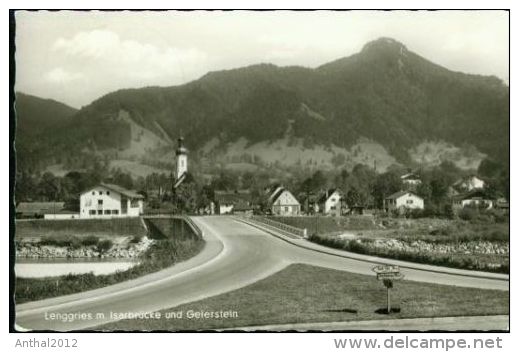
(468, 214)
(136, 239)
(104, 245)
(90, 240)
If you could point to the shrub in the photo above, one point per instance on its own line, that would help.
(104, 245)
(136, 239)
(90, 240)
(468, 214)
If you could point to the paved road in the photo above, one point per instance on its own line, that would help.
(236, 255)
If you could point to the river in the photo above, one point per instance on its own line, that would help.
(38, 268)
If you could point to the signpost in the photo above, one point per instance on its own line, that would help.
(387, 274)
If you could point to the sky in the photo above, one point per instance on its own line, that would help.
(77, 57)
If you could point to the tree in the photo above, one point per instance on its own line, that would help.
(385, 185)
(353, 198)
(48, 187)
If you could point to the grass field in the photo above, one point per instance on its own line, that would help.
(303, 293)
(84, 227)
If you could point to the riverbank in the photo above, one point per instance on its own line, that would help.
(89, 247)
(161, 254)
(152, 255)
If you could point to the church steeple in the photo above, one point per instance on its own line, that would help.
(181, 153)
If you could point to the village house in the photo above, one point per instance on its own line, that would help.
(411, 180)
(469, 183)
(503, 205)
(44, 210)
(403, 200)
(108, 200)
(330, 202)
(282, 202)
(232, 202)
(475, 198)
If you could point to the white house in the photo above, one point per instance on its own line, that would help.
(283, 203)
(403, 200)
(108, 200)
(476, 198)
(411, 180)
(330, 202)
(469, 183)
(228, 202)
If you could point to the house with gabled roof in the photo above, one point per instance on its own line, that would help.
(330, 202)
(411, 180)
(403, 200)
(476, 198)
(107, 200)
(469, 183)
(229, 202)
(282, 202)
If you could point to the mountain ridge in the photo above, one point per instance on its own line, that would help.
(385, 93)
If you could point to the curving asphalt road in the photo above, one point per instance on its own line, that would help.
(235, 255)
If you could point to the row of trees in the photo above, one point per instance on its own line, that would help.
(360, 186)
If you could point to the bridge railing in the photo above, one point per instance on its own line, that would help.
(302, 233)
(193, 226)
(186, 219)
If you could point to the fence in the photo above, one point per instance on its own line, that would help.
(301, 233)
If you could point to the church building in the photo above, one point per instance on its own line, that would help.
(181, 163)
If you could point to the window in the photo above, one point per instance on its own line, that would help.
(99, 202)
(409, 201)
(115, 212)
(134, 203)
(333, 207)
(108, 192)
(100, 193)
(107, 212)
(99, 212)
(93, 193)
(92, 212)
(286, 209)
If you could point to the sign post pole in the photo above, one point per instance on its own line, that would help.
(388, 300)
(388, 274)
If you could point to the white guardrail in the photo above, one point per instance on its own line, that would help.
(279, 225)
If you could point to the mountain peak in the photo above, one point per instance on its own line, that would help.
(384, 44)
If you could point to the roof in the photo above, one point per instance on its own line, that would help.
(242, 207)
(275, 194)
(475, 193)
(326, 195)
(40, 207)
(180, 180)
(410, 176)
(232, 197)
(278, 192)
(402, 193)
(128, 193)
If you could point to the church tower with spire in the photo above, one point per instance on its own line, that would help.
(181, 159)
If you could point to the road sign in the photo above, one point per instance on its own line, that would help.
(390, 276)
(387, 274)
(379, 269)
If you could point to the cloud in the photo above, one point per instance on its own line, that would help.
(131, 59)
(60, 75)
